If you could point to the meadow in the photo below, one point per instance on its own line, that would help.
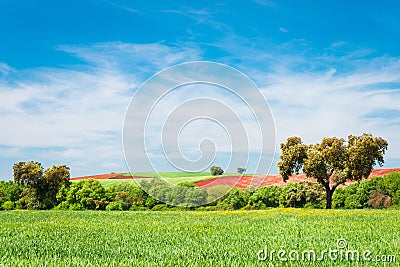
(197, 238)
(172, 177)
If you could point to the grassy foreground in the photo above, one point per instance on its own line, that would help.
(179, 238)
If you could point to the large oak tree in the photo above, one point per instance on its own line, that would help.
(333, 161)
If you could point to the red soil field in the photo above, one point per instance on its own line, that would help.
(275, 179)
(237, 180)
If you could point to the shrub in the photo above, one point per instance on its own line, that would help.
(379, 199)
(76, 206)
(160, 207)
(125, 198)
(195, 197)
(365, 189)
(116, 205)
(47, 203)
(10, 190)
(350, 201)
(89, 194)
(266, 196)
(187, 184)
(176, 195)
(164, 192)
(62, 193)
(158, 190)
(8, 205)
(218, 192)
(96, 204)
(391, 183)
(303, 194)
(358, 195)
(237, 198)
(339, 198)
(151, 202)
(137, 208)
(137, 194)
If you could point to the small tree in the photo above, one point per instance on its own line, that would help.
(41, 186)
(332, 161)
(30, 173)
(241, 170)
(216, 170)
(54, 178)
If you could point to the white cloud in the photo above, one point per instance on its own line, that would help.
(5, 68)
(314, 104)
(75, 115)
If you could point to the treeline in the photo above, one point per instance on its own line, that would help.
(51, 190)
(33, 187)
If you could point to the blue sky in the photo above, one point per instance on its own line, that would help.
(68, 69)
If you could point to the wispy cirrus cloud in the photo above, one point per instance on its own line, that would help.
(5, 68)
(266, 3)
(124, 7)
(74, 115)
(283, 29)
(141, 58)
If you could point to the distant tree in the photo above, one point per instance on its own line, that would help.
(42, 187)
(30, 173)
(54, 178)
(241, 170)
(216, 170)
(332, 161)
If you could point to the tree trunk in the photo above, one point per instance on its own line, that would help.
(329, 194)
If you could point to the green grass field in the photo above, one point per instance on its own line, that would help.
(195, 238)
(172, 177)
(170, 174)
(113, 182)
